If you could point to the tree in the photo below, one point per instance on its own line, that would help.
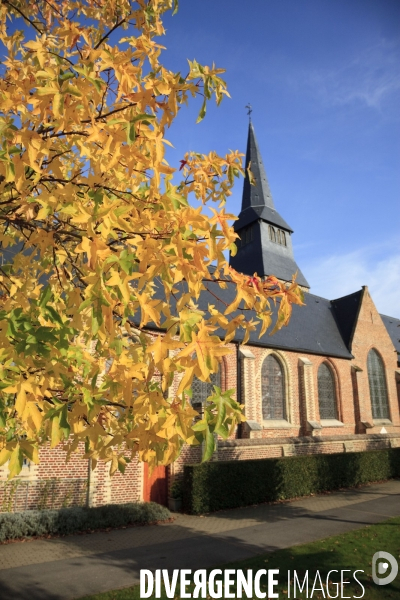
(91, 216)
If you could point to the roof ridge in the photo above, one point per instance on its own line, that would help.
(389, 316)
(347, 295)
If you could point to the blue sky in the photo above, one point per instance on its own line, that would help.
(323, 78)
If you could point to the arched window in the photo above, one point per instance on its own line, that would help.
(326, 393)
(246, 236)
(273, 389)
(282, 238)
(249, 234)
(202, 389)
(272, 235)
(377, 386)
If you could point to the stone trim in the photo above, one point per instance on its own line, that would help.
(308, 393)
(91, 484)
(378, 422)
(245, 353)
(314, 426)
(29, 472)
(253, 425)
(107, 485)
(394, 437)
(248, 391)
(286, 364)
(278, 424)
(331, 423)
(364, 408)
(288, 450)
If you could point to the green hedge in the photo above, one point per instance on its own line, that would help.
(70, 520)
(218, 485)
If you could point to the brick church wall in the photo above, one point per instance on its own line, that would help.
(54, 483)
(371, 333)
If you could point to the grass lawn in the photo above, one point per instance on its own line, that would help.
(353, 550)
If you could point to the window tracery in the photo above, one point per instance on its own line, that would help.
(326, 393)
(202, 389)
(273, 391)
(377, 386)
(277, 236)
(272, 235)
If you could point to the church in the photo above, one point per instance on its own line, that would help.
(329, 382)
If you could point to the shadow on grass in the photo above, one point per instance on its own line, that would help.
(346, 558)
(113, 559)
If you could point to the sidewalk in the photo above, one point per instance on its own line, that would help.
(71, 567)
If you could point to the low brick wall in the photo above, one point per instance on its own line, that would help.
(246, 449)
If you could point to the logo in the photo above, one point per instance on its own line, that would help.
(383, 568)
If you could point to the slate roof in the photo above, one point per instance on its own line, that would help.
(259, 194)
(266, 213)
(393, 327)
(264, 257)
(312, 328)
(257, 202)
(346, 312)
(321, 326)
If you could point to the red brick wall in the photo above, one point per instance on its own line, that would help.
(54, 483)
(127, 487)
(370, 332)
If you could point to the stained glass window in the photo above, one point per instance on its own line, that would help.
(377, 386)
(326, 393)
(273, 389)
(201, 390)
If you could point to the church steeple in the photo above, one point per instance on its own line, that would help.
(265, 244)
(259, 194)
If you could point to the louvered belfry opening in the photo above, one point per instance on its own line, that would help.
(326, 393)
(377, 386)
(202, 389)
(273, 389)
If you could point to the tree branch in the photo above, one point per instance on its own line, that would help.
(112, 112)
(117, 24)
(22, 15)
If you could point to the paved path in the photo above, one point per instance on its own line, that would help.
(71, 567)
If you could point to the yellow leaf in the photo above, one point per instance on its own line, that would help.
(4, 456)
(20, 400)
(35, 416)
(106, 247)
(58, 105)
(56, 433)
(16, 462)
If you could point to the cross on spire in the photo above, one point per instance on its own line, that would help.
(249, 110)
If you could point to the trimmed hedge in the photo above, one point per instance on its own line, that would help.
(71, 520)
(219, 485)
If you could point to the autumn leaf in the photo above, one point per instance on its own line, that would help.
(101, 328)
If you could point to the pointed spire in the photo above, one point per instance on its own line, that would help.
(266, 244)
(259, 194)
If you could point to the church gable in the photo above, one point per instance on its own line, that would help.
(370, 330)
(375, 362)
